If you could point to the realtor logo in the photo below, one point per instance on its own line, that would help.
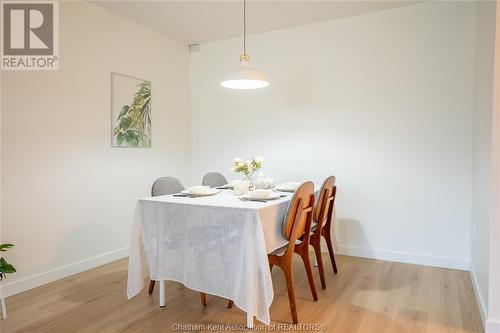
(30, 36)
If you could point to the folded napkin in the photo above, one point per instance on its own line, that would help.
(289, 186)
(199, 190)
(260, 194)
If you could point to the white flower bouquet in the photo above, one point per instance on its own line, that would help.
(247, 168)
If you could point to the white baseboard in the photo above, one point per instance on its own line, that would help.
(479, 295)
(409, 258)
(492, 326)
(16, 287)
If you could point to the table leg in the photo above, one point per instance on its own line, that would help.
(249, 320)
(4, 309)
(162, 293)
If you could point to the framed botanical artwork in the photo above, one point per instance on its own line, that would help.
(130, 111)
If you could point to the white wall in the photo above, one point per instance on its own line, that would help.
(68, 196)
(493, 320)
(481, 166)
(384, 101)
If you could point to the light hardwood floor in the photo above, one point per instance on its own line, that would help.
(366, 296)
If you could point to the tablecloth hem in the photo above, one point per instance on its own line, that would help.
(262, 320)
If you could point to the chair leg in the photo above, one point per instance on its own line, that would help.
(162, 299)
(291, 291)
(230, 304)
(321, 268)
(151, 286)
(203, 298)
(307, 264)
(328, 239)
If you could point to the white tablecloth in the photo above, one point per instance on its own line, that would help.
(215, 244)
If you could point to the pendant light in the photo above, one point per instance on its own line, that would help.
(245, 77)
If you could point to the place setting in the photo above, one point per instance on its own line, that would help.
(262, 195)
(197, 192)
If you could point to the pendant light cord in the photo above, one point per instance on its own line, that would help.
(244, 56)
(245, 27)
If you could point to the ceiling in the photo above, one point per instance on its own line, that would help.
(203, 21)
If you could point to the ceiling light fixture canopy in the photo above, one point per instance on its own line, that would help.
(245, 77)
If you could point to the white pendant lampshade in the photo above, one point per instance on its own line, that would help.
(245, 77)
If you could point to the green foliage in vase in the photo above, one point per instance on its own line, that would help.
(5, 267)
(134, 121)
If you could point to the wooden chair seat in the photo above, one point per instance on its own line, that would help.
(279, 251)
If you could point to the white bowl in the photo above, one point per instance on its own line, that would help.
(260, 194)
(199, 190)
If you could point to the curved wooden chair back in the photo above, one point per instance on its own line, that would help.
(298, 219)
(326, 199)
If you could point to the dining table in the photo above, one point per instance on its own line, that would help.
(215, 244)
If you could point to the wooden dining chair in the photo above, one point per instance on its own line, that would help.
(322, 225)
(296, 226)
(166, 186)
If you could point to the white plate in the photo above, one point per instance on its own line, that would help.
(209, 192)
(271, 196)
(287, 190)
(225, 187)
(288, 187)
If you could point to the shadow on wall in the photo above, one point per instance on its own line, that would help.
(349, 232)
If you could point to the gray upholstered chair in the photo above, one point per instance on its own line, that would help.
(214, 179)
(166, 186)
